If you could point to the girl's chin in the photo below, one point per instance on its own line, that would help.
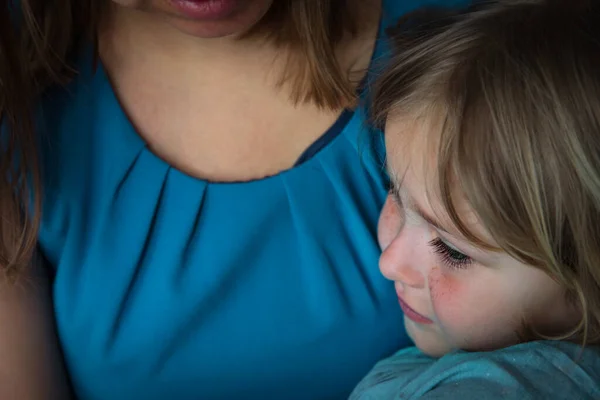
(427, 339)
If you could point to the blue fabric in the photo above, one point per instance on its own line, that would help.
(530, 371)
(333, 132)
(170, 286)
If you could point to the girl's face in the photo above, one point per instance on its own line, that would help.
(205, 18)
(453, 294)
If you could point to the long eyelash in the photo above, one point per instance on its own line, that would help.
(452, 258)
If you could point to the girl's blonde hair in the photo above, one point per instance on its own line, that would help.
(518, 86)
(40, 41)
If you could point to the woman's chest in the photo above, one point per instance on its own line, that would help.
(216, 296)
(224, 129)
(169, 285)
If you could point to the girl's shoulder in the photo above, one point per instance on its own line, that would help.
(540, 369)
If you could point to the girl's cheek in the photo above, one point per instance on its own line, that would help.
(474, 310)
(447, 291)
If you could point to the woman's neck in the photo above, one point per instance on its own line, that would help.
(213, 108)
(131, 37)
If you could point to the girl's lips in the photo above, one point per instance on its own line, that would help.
(412, 314)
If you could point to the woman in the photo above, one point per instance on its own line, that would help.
(206, 238)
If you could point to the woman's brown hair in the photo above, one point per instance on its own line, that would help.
(39, 44)
(516, 85)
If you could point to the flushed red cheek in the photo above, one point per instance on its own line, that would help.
(448, 298)
(467, 313)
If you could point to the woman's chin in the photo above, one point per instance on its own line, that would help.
(208, 30)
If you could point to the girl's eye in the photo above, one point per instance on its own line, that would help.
(450, 256)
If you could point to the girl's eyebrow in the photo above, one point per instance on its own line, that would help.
(429, 219)
(395, 185)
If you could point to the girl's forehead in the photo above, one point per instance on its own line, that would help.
(411, 149)
(412, 165)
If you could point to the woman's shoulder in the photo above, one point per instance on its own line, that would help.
(392, 12)
(541, 369)
(394, 9)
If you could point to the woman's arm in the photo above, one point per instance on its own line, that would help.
(31, 364)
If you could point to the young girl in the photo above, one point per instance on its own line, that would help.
(491, 230)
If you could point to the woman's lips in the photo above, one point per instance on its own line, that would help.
(412, 314)
(205, 9)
